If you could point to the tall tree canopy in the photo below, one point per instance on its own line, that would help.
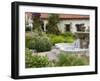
(52, 27)
(37, 22)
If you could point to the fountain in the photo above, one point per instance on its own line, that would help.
(84, 39)
(79, 46)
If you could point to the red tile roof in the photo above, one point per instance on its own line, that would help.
(62, 16)
(67, 16)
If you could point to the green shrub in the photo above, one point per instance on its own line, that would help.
(63, 38)
(80, 61)
(39, 61)
(67, 34)
(57, 39)
(30, 41)
(31, 44)
(70, 60)
(27, 40)
(28, 58)
(64, 60)
(69, 37)
(39, 43)
(43, 44)
(35, 61)
(69, 40)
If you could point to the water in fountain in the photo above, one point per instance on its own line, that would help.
(77, 43)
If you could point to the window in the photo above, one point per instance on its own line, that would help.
(67, 27)
(80, 27)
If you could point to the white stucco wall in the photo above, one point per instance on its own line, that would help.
(62, 23)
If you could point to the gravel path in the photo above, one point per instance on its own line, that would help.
(52, 55)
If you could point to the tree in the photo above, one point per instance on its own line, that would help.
(52, 27)
(37, 22)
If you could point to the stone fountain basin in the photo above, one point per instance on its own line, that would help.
(69, 47)
(64, 45)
